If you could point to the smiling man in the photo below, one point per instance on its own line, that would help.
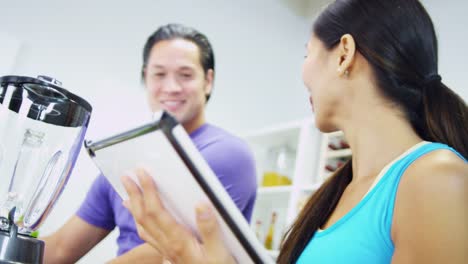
(178, 73)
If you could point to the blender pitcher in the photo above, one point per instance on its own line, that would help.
(42, 127)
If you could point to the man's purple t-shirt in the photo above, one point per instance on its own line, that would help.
(228, 156)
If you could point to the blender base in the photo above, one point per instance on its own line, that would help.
(20, 249)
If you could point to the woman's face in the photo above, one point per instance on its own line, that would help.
(319, 73)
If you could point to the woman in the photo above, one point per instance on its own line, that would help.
(371, 70)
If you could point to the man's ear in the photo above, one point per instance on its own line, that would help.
(209, 77)
(346, 54)
(143, 75)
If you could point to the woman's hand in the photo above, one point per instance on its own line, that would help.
(159, 228)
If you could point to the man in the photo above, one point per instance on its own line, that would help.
(178, 73)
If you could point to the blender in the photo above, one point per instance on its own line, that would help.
(42, 127)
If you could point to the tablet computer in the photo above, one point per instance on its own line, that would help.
(183, 177)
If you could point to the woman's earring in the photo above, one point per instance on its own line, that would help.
(346, 72)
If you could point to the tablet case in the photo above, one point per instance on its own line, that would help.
(183, 177)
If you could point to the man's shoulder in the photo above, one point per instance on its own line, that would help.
(101, 186)
(218, 145)
(216, 137)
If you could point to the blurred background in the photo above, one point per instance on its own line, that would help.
(94, 48)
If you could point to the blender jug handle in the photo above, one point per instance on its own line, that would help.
(13, 230)
(30, 219)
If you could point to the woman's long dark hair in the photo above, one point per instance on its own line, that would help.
(398, 40)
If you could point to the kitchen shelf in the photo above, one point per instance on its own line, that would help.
(311, 155)
(273, 253)
(335, 134)
(304, 141)
(341, 153)
(328, 155)
(274, 190)
(311, 187)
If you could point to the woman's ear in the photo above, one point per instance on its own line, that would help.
(346, 54)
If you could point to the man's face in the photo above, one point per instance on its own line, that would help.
(176, 82)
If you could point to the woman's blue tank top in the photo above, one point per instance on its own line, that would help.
(363, 235)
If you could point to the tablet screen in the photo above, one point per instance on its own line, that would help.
(166, 152)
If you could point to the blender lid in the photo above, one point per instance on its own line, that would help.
(48, 101)
(53, 88)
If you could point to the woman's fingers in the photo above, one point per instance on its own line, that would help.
(160, 229)
(150, 239)
(207, 225)
(138, 205)
(170, 236)
(155, 210)
(145, 203)
(135, 204)
(210, 233)
(150, 192)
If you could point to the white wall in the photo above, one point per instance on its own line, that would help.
(9, 47)
(94, 48)
(451, 24)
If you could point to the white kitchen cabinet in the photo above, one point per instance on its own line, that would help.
(302, 140)
(310, 154)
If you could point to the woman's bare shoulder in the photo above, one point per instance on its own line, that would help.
(430, 216)
(437, 167)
